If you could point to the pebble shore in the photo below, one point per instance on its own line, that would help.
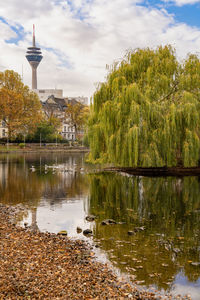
(37, 265)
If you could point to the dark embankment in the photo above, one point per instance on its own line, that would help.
(153, 172)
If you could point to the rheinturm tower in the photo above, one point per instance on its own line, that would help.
(34, 57)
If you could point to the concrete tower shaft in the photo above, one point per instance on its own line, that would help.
(34, 57)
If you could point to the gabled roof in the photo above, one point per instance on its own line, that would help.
(55, 103)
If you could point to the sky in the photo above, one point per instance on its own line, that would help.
(79, 38)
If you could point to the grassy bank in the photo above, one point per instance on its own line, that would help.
(41, 148)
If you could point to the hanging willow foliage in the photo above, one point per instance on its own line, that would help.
(147, 113)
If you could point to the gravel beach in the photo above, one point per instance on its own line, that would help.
(35, 265)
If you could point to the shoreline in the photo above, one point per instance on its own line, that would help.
(47, 266)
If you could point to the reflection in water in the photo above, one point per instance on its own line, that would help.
(27, 179)
(168, 208)
(59, 195)
(31, 180)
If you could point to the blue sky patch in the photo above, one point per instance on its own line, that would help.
(63, 59)
(188, 13)
(19, 30)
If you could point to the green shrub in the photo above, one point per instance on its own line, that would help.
(21, 145)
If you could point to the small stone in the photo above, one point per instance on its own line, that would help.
(176, 250)
(78, 229)
(90, 218)
(165, 265)
(87, 231)
(137, 229)
(130, 232)
(196, 264)
(62, 232)
(108, 222)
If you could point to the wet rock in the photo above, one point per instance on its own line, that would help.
(90, 218)
(78, 229)
(25, 225)
(164, 265)
(137, 229)
(196, 264)
(87, 231)
(139, 267)
(62, 232)
(176, 250)
(130, 232)
(108, 222)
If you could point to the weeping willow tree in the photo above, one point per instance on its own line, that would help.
(147, 113)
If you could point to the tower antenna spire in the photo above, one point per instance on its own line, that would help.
(33, 35)
(34, 57)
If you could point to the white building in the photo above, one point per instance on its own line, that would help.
(44, 94)
(82, 100)
(56, 107)
(68, 131)
(3, 129)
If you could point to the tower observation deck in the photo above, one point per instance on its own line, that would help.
(34, 57)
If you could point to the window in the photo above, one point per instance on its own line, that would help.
(3, 132)
(68, 136)
(65, 128)
(65, 135)
(72, 136)
(3, 124)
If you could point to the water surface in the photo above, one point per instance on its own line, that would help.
(60, 190)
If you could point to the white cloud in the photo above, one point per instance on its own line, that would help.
(78, 40)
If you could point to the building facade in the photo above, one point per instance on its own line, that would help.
(82, 100)
(3, 130)
(68, 132)
(56, 107)
(44, 94)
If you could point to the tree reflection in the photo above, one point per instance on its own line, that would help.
(169, 208)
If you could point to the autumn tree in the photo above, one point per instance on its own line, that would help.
(51, 116)
(20, 108)
(147, 113)
(77, 114)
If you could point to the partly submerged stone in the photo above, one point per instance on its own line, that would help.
(196, 264)
(62, 232)
(90, 218)
(108, 222)
(78, 229)
(130, 232)
(87, 231)
(25, 224)
(137, 229)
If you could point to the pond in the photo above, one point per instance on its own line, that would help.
(163, 215)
